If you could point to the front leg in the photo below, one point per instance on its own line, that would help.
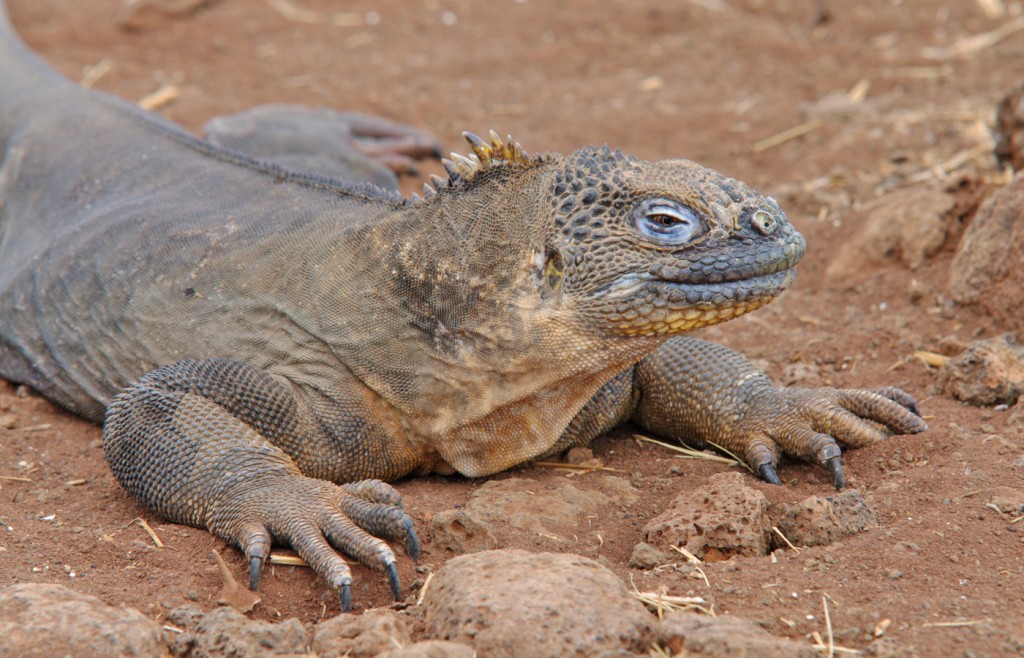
(702, 393)
(218, 444)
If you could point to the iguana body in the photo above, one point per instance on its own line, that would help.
(249, 334)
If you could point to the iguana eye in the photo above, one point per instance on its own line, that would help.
(666, 221)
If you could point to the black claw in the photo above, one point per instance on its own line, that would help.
(255, 571)
(396, 585)
(345, 597)
(835, 467)
(412, 542)
(767, 473)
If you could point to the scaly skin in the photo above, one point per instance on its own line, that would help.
(252, 335)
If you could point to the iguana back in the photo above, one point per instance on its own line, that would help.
(126, 243)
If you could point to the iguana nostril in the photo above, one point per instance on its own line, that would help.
(763, 222)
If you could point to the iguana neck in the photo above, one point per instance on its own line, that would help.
(454, 314)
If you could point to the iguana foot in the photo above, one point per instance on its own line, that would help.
(815, 424)
(703, 393)
(317, 518)
(353, 147)
(396, 145)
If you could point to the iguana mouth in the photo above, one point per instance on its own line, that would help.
(713, 276)
(670, 299)
(645, 306)
(730, 267)
(724, 293)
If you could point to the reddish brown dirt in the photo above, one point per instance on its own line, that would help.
(659, 80)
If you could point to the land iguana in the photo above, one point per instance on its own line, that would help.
(265, 347)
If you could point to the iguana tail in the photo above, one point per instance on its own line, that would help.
(8, 37)
(5, 21)
(19, 66)
(26, 81)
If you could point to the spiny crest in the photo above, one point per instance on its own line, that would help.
(498, 151)
(485, 155)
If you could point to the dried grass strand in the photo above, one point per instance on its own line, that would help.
(149, 531)
(691, 453)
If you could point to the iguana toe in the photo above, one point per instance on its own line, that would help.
(376, 507)
(345, 597)
(835, 467)
(767, 473)
(903, 398)
(861, 417)
(255, 541)
(396, 584)
(255, 571)
(307, 539)
(801, 442)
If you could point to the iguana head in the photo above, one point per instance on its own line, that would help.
(645, 248)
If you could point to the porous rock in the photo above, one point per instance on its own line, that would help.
(987, 372)
(986, 270)
(1008, 131)
(185, 616)
(431, 649)
(909, 224)
(360, 636)
(724, 518)
(461, 532)
(1007, 500)
(529, 505)
(819, 521)
(699, 636)
(51, 620)
(511, 604)
(646, 556)
(1015, 422)
(227, 633)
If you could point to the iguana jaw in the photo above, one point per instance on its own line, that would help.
(650, 307)
(674, 299)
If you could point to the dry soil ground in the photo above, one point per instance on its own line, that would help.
(886, 93)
